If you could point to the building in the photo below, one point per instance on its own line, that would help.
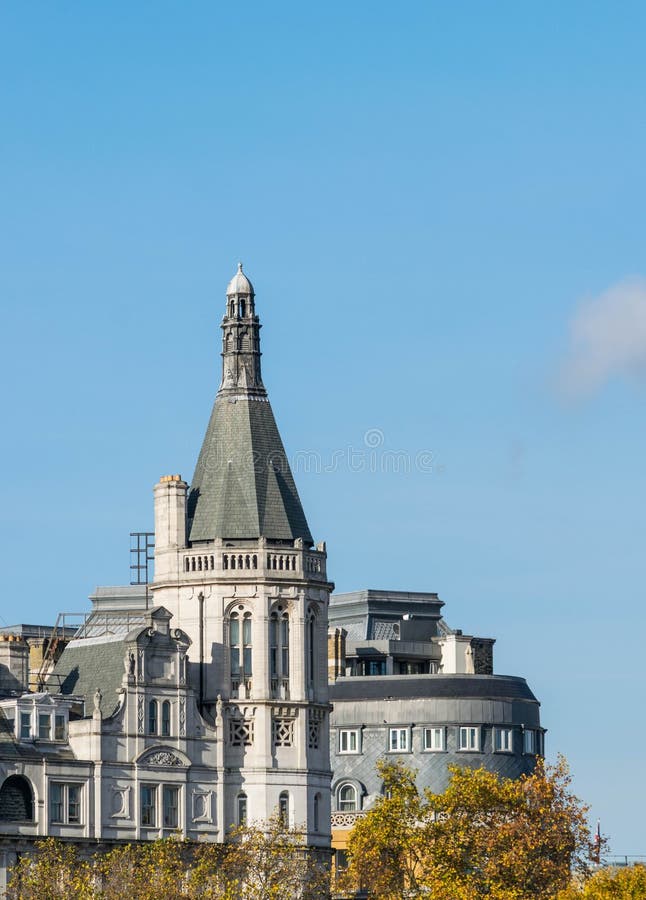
(201, 702)
(406, 686)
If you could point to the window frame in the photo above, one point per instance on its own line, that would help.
(339, 802)
(242, 809)
(171, 790)
(150, 807)
(429, 745)
(399, 731)
(26, 723)
(44, 726)
(498, 742)
(70, 796)
(348, 734)
(166, 718)
(470, 746)
(530, 742)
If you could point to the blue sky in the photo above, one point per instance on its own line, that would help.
(442, 209)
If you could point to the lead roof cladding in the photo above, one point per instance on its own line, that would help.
(243, 487)
(491, 687)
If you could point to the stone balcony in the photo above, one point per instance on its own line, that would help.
(246, 561)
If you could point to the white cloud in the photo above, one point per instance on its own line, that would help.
(607, 339)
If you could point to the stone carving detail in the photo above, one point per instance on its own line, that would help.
(182, 717)
(162, 758)
(140, 714)
(140, 671)
(282, 731)
(345, 819)
(240, 732)
(315, 719)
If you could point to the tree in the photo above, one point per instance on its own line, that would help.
(610, 884)
(263, 861)
(485, 836)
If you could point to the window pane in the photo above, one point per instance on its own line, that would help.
(59, 728)
(148, 805)
(242, 809)
(56, 802)
(246, 630)
(25, 725)
(44, 726)
(152, 717)
(166, 718)
(171, 806)
(234, 633)
(74, 803)
(247, 661)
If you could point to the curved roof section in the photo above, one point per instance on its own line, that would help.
(239, 284)
(393, 687)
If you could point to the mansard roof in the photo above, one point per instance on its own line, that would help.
(399, 687)
(88, 665)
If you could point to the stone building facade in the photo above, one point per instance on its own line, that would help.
(202, 700)
(406, 686)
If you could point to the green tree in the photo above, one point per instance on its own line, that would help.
(485, 836)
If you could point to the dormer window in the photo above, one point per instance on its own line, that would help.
(25, 726)
(44, 726)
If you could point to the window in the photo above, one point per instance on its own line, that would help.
(347, 798)
(317, 811)
(170, 804)
(398, 739)
(65, 803)
(241, 810)
(311, 650)
(148, 805)
(283, 809)
(16, 800)
(469, 738)
(376, 667)
(434, 738)
(240, 647)
(279, 651)
(44, 726)
(59, 728)
(503, 740)
(25, 726)
(152, 717)
(529, 741)
(349, 740)
(166, 718)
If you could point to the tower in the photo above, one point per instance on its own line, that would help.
(236, 565)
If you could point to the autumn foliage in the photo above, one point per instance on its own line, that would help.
(260, 863)
(485, 836)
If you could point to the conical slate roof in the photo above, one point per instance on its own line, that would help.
(243, 486)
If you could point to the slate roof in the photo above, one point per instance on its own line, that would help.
(490, 687)
(243, 486)
(85, 666)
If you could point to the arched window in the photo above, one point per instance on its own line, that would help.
(242, 309)
(152, 717)
(279, 650)
(16, 800)
(346, 798)
(240, 647)
(317, 812)
(283, 809)
(241, 808)
(166, 718)
(311, 649)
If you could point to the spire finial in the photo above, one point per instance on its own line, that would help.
(239, 267)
